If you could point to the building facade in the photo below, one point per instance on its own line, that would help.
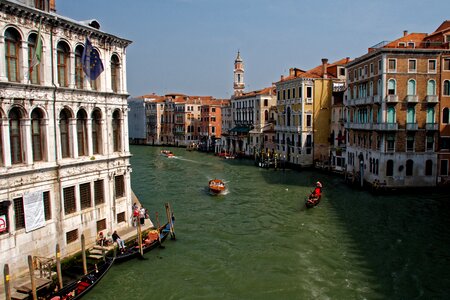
(396, 120)
(64, 155)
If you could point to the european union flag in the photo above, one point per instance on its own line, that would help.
(92, 64)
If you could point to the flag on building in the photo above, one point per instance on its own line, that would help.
(92, 64)
(37, 52)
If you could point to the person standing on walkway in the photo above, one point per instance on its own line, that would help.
(142, 215)
(116, 238)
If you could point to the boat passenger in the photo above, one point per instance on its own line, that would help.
(116, 238)
(317, 191)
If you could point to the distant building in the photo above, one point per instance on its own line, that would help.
(137, 121)
(239, 84)
(64, 154)
(398, 119)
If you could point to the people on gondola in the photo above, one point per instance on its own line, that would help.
(116, 238)
(314, 197)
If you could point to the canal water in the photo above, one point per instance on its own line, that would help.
(258, 241)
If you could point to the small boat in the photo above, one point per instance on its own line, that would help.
(80, 287)
(314, 197)
(216, 186)
(167, 153)
(133, 252)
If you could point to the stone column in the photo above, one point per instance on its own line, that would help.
(6, 142)
(2, 55)
(74, 138)
(89, 136)
(28, 143)
(23, 67)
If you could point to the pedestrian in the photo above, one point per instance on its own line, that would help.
(116, 238)
(135, 216)
(142, 215)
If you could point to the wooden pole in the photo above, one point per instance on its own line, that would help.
(7, 283)
(169, 215)
(83, 254)
(33, 282)
(139, 234)
(58, 266)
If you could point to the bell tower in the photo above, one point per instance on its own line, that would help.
(238, 75)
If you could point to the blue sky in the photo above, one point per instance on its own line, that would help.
(189, 46)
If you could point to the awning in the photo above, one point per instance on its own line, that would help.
(240, 129)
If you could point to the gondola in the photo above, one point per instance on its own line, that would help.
(133, 251)
(80, 287)
(312, 201)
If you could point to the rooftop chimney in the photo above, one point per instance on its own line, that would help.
(282, 77)
(291, 72)
(405, 32)
(324, 67)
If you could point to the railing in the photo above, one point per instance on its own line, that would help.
(360, 126)
(412, 126)
(412, 99)
(44, 265)
(377, 99)
(392, 98)
(386, 126)
(432, 126)
(432, 99)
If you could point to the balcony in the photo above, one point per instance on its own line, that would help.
(386, 126)
(392, 98)
(412, 126)
(377, 99)
(432, 126)
(360, 126)
(432, 99)
(363, 101)
(412, 99)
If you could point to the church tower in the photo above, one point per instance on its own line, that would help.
(238, 75)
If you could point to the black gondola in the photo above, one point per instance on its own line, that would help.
(312, 201)
(133, 252)
(80, 287)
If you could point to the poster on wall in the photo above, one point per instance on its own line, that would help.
(3, 226)
(34, 211)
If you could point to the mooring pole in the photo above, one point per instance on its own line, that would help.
(33, 282)
(169, 214)
(58, 266)
(7, 283)
(83, 254)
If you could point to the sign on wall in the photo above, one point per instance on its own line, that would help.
(34, 211)
(3, 226)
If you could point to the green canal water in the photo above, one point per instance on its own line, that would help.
(258, 242)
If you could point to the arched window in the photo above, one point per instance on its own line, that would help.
(117, 135)
(266, 115)
(62, 52)
(409, 167)
(34, 67)
(390, 168)
(79, 75)
(430, 115)
(445, 115)
(115, 67)
(431, 87)
(12, 47)
(371, 88)
(391, 87)
(391, 114)
(64, 118)
(82, 133)
(15, 135)
(411, 87)
(37, 134)
(97, 132)
(411, 115)
(429, 167)
(446, 91)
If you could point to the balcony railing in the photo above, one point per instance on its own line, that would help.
(412, 126)
(432, 126)
(392, 98)
(360, 126)
(386, 126)
(432, 99)
(377, 99)
(412, 99)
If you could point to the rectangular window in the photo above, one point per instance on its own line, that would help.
(444, 143)
(308, 120)
(293, 95)
(390, 143)
(289, 94)
(69, 200)
(99, 192)
(430, 143)
(446, 64)
(47, 205)
(85, 195)
(300, 94)
(412, 66)
(119, 186)
(19, 213)
(379, 65)
(284, 94)
(392, 65)
(410, 143)
(309, 92)
(371, 68)
(71, 236)
(444, 167)
(431, 66)
(121, 217)
(101, 225)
